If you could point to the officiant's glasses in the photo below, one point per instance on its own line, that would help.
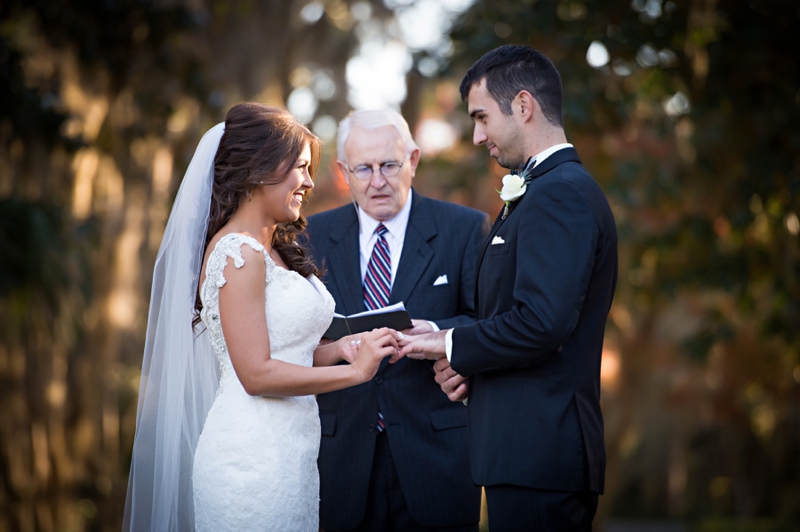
(387, 169)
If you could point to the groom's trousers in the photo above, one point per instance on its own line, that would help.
(519, 509)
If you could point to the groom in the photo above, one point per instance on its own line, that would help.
(393, 454)
(545, 280)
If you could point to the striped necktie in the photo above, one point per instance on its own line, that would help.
(378, 285)
(378, 280)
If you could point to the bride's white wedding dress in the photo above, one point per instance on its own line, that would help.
(255, 467)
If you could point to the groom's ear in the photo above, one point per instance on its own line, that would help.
(525, 106)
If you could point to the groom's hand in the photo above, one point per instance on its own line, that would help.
(425, 346)
(453, 385)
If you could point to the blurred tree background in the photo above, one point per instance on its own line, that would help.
(687, 113)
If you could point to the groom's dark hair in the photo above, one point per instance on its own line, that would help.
(512, 68)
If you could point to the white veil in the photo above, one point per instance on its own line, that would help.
(179, 370)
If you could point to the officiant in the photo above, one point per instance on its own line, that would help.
(393, 454)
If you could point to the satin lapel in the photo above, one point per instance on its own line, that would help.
(417, 253)
(559, 157)
(346, 256)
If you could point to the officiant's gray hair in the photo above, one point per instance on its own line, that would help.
(374, 119)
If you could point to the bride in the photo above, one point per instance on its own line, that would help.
(232, 443)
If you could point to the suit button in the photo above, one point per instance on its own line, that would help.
(378, 380)
(371, 427)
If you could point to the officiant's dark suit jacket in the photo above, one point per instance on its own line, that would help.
(546, 278)
(427, 432)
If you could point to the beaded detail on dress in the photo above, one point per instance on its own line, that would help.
(228, 246)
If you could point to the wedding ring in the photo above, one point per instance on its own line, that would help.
(400, 335)
(355, 342)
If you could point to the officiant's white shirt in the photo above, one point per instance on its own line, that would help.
(395, 237)
(448, 339)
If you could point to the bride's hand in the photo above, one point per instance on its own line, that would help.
(347, 347)
(374, 347)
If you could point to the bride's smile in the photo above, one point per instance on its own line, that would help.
(281, 202)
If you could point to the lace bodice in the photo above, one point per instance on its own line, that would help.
(298, 309)
(255, 466)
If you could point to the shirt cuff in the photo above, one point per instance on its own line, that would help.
(448, 344)
(434, 326)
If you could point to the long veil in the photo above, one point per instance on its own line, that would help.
(179, 372)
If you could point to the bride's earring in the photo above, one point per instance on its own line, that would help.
(249, 196)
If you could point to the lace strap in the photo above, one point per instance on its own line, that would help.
(229, 245)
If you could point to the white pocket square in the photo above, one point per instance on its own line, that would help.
(498, 240)
(442, 279)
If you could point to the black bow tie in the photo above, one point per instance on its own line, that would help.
(525, 169)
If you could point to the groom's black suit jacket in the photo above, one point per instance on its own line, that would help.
(546, 278)
(427, 433)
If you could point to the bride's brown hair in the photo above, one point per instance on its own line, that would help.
(260, 146)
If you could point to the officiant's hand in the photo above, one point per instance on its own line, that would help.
(424, 346)
(372, 348)
(453, 385)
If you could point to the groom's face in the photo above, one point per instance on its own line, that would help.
(499, 132)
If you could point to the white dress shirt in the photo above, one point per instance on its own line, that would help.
(395, 237)
(448, 339)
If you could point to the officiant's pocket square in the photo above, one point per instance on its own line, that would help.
(498, 240)
(442, 279)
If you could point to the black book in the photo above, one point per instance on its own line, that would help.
(395, 317)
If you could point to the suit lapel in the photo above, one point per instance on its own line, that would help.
(561, 156)
(417, 253)
(492, 232)
(346, 255)
(557, 158)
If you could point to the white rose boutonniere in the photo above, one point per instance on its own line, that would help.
(514, 186)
